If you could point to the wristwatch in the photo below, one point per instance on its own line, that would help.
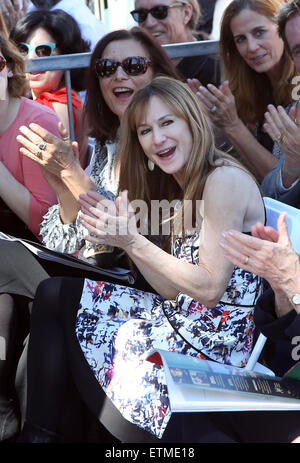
(295, 299)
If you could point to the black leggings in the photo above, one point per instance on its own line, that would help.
(48, 360)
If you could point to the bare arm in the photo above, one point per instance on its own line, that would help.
(169, 275)
(14, 194)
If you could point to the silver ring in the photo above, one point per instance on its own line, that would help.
(39, 154)
(246, 260)
(66, 138)
(213, 109)
(43, 145)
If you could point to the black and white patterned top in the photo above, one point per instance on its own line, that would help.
(117, 327)
(68, 238)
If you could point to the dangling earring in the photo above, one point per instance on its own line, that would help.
(150, 165)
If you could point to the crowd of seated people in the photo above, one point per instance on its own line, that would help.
(154, 121)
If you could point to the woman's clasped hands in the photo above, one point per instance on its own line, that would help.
(108, 222)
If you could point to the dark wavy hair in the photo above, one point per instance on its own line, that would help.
(102, 121)
(64, 30)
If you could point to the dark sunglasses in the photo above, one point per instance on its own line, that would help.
(133, 66)
(41, 49)
(158, 12)
(2, 63)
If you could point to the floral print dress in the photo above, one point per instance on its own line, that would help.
(117, 327)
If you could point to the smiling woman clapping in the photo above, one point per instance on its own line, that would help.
(200, 304)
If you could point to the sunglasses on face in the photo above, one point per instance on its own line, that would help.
(41, 49)
(2, 63)
(133, 66)
(158, 12)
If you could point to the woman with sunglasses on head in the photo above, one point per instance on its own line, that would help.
(50, 33)
(167, 153)
(121, 63)
(259, 72)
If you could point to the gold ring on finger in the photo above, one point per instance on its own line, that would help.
(280, 138)
(296, 122)
(246, 260)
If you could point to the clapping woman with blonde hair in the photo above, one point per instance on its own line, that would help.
(199, 305)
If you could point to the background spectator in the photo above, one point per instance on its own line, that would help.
(175, 22)
(259, 70)
(25, 194)
(284, 126)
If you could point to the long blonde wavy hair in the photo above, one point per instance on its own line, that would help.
(253, 90)
(134, 175)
